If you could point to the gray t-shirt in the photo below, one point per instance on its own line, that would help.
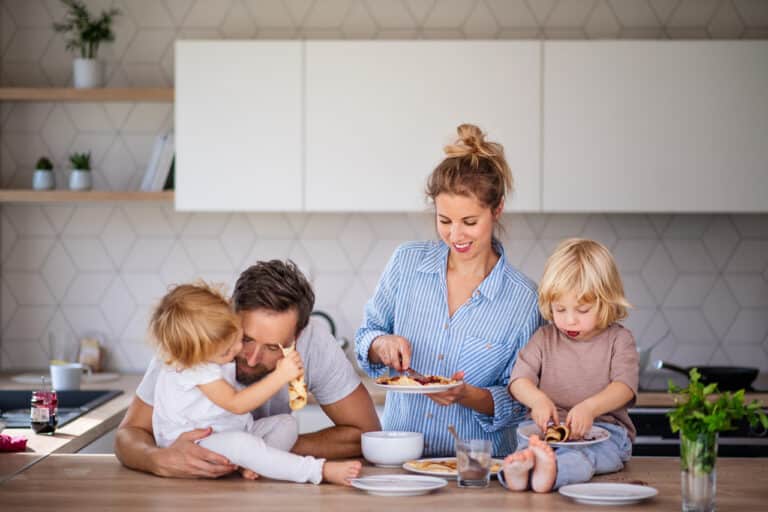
(328, 373)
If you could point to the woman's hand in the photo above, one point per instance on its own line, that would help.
(391, 350)
(580, 420)
(543, 411)
(453, 395)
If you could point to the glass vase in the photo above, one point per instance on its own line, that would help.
(698, 479)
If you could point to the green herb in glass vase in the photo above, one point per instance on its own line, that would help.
(700, 413)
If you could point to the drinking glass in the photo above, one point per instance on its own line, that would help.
(473, 461)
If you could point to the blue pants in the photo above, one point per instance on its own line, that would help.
(578, 465)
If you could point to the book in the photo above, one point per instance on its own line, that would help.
(164, 163)
(149, 174)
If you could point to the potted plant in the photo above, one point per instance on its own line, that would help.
(701, 413)
(86, 34)
(80, 177)
(42, 178)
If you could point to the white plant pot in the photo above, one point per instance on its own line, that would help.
(42, 180)
(88, 73)
(80, 180)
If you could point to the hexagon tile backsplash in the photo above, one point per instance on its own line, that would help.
(69, 270)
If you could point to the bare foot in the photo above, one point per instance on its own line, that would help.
(545, 465)
(517, 467)
(341, 472)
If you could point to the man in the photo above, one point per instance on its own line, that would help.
(274, 302)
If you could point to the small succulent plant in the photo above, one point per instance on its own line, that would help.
(81, 161)
(43, 164)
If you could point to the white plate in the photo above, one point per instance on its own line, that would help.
(34, 378)
(444, 474)
(608, 493)
(596, 435)
(421, 390)
(398, 485)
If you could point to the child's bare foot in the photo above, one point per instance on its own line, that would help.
(545, 465)
(517, 468)
(341, 472)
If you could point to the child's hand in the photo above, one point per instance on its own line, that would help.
(580, 420)
(290, 367)
(542, 411)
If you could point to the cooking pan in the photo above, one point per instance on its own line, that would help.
(729, 378)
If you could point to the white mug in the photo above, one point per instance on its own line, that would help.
(67, 376)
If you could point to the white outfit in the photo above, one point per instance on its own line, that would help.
(328, 373)
(259, 445)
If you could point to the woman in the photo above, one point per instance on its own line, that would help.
(454, 307)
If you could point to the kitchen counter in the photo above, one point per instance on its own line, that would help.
(80, 483)
(74, 435)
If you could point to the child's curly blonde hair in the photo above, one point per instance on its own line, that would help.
(586, 267)
(193, 322)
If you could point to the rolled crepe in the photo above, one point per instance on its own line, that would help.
(297, 388)
(557, 434)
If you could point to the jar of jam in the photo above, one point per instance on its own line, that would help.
(42, 414)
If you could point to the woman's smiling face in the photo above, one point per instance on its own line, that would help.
(464, 224)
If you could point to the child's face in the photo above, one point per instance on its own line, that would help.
(228, 352)
(577, 320)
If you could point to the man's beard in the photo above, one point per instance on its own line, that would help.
(247, 375)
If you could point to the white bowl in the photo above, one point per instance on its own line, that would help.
(390, 448)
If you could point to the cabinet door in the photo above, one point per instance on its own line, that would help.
(655, 126)
(238, 125)
(378, 114)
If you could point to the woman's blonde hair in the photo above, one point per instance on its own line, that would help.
(587, 268)
(193, 322)
(472, 166)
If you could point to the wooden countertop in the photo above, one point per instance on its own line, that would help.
(74, 435)
(80, 483)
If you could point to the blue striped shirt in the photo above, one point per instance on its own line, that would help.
(482, 338)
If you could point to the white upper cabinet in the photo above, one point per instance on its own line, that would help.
(655, 126)
(378, 114)
(239, 125)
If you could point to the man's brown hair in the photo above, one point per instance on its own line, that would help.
(275, 285)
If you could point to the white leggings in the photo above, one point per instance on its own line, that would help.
(265, 450)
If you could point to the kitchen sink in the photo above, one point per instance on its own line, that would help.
(15, 405)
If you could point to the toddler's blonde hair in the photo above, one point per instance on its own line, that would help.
(193, 322)
(586, 267)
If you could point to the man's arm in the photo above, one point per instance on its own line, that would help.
(352, 415)
(135, 447)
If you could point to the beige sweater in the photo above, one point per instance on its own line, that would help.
(569, 371)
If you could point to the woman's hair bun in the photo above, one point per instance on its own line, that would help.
(471, 141)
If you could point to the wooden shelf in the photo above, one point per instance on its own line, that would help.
(160, 94)
(64, 196)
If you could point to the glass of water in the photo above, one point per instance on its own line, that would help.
(473, 461)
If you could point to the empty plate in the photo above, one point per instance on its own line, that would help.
(398, 485)
(608, 493)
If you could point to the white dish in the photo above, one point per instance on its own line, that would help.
(608, 493)
(445, 474)
(421, 390)
(398, 485)
(389, 449)
(596, 435)
(93, 378)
